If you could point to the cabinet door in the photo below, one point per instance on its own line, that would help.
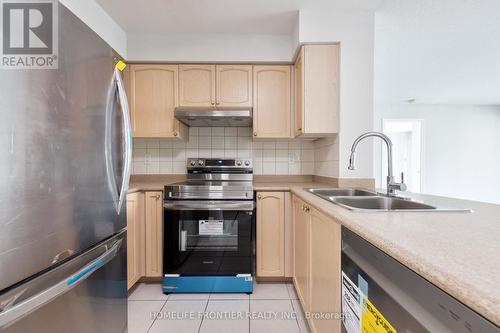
(135, 238)
(271, 234)
(197, 85)
(299, 92)
(234, 85)
(153, 97)
(325, 272)
(272, 101)
(321, 89)
(301, 251)
(154, 234)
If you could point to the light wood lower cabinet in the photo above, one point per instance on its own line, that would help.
(317, 248)
(301, 251)
(144, 236)
(135, 238)
(154, 234)
(270, 234)
(324, 280)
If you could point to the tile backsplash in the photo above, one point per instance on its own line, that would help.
(270, 157)
(326, 157)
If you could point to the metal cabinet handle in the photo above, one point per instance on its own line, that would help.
(299, 129)
(254, 133)
(259, 196)
(175, 133)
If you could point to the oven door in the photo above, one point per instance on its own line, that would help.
(208, 237)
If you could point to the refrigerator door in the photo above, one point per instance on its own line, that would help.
(85, 294)
(64, 155)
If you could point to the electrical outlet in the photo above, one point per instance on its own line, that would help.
(148, 158)
(293, 157)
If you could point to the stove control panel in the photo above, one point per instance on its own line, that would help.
(218, 163)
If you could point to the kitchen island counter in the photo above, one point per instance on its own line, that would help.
(456, 251)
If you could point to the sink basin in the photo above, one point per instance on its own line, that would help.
(380, 203)
(341, 192)
(367, 201)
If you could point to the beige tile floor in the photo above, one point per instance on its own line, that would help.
(272, 308)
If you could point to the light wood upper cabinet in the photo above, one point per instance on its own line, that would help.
(233, 85)
(197, 85)
(272, 101)
(298, 95)
(325, 249)
(153, 96)
(154, 234)
(270, 234)
(135, 238)
(301, 251)
(317, 90)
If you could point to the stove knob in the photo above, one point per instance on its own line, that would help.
(247, 163)
(238, 163)
(193, 163)
(200, 162)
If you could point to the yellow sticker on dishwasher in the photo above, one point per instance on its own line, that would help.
(372, 321)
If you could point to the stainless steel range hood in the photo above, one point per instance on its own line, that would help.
(214, 117)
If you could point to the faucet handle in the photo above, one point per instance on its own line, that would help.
(402, 185)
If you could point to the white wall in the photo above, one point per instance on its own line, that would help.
(210, 47)
(98, 20)
(354, 30)
(438, 52)
(461, 148)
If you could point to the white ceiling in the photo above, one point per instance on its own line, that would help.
(218, 16)
(438, 52)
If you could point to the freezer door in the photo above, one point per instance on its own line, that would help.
(64, 146)
(84, 295)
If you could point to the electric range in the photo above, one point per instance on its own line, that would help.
(209, 228)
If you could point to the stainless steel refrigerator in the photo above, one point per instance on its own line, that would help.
(65, 150)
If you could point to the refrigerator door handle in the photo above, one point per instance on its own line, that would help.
(117, 88)
(127, 168)
(12, 312)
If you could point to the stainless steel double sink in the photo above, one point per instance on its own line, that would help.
(367, 201)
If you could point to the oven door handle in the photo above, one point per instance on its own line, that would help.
(209, 205)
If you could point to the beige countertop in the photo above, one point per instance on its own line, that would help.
(458, 252)
(152, 182)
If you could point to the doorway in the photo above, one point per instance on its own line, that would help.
(406, 136)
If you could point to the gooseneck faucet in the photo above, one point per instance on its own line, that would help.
(392, 186)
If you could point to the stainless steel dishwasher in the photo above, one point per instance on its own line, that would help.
(379, 294)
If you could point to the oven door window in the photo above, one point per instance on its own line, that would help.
(212, 234)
